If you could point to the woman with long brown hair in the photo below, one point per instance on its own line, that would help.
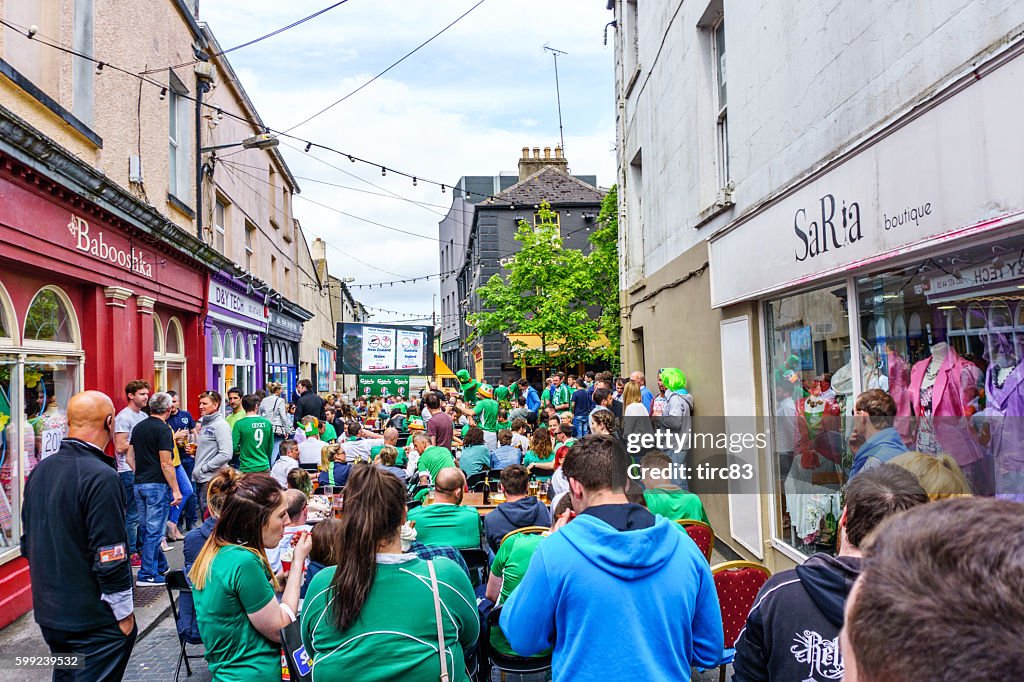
(379, 614)
(540, 458)
(234, 587)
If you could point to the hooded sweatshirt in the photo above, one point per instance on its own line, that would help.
(213, 447)
(617, 605)
(792, 633)
(880, 448)
(509, 516)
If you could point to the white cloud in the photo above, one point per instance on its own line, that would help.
(464, 105)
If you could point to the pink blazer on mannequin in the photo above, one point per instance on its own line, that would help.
(955, 386)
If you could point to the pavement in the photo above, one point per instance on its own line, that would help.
(23, 638)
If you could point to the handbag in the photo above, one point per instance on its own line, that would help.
(437, 616)
(280, 430)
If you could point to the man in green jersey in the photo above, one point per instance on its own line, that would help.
(507, 571)
(446, 521)
(486, 414)
(252, 437)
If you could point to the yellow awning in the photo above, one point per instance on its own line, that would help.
(441, 370)
(532, 342)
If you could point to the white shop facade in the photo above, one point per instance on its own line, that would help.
(896, 265)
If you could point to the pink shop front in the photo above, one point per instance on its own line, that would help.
(899, 267)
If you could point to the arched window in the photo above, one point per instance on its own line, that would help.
(51, 319)
(158, 335)
(8, 320)
(169, 359)
(217, 347)
(229, 345)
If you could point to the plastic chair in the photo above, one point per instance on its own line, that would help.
(176, 582)
(701, 534)
(737, 584)
(479, 566)
(529, 530)
(510, 664)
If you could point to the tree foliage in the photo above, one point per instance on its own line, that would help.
(544, 293)
(603, 268)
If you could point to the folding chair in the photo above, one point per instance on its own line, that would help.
(529, 530)
(737, 584)
(701, 534)
(184, 618)
(479, 566)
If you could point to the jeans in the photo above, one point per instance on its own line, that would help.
(190, 508)
(103, 651)
(131, 511)
(185, 486)
(580, 426)
(201, 499)
(154, 501)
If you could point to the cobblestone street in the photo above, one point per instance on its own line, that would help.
(156, 656)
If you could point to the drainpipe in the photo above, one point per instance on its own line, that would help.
(202, 86)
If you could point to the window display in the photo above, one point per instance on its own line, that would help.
(953, 373)
(809, 347)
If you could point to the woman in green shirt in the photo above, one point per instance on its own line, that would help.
(372, 617)
(475, 456)
(234, 588)
(540, 458)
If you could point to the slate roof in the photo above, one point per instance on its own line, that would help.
(548, 184)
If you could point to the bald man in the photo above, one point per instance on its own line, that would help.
(446, 522)
(75, 541)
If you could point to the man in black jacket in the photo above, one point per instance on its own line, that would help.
(792, 633)
(75, 541)
(309, 403)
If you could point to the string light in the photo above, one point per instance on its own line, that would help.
(414, 182)
(163, 93)
(383, 171)
(309, 145)
(99, 68)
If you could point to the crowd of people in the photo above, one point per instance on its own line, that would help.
(584, 567)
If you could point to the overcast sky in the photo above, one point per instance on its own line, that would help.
(464, 105)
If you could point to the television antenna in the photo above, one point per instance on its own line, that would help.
(558, 94)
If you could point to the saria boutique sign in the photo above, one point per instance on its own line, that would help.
(830, 224)
(95, 245)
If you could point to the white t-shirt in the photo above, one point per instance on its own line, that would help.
(309, 451)
(359, 450)
(281, 468)
(125, 422)
(520, 441)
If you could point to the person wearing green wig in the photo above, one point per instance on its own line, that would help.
(678, 414)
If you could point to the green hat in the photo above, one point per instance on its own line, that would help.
(673, 378)
(463, 376)
(485, 391)
(415, 424)
(312, 428)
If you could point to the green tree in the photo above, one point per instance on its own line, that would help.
(544, 293)
(603, 269)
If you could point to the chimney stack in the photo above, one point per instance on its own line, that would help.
(528, 165)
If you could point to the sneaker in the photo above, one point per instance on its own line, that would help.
(158, 581)
(136, 561)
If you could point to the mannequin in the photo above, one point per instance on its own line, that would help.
(941, 388)
(1004, 412)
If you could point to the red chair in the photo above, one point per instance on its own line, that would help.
(737, 584)
(701, 534)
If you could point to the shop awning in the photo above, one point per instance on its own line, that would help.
(532, 342)
(441, 370)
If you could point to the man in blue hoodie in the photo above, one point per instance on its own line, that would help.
(619, 593)
(792, 633)
(874, 440)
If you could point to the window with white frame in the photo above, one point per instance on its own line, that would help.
(219, 215)
(178, 127)
(718, 48)
(169, 358)
(250, 232)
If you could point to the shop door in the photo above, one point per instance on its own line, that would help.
(740, 408)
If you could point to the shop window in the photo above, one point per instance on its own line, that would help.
(169, 358)
(956, 386)
(49, 318)
(216, 347)
(229, 345)
(812, 387)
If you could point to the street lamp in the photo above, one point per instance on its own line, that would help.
(261, 141)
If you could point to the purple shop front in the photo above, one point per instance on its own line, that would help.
(235, 326)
